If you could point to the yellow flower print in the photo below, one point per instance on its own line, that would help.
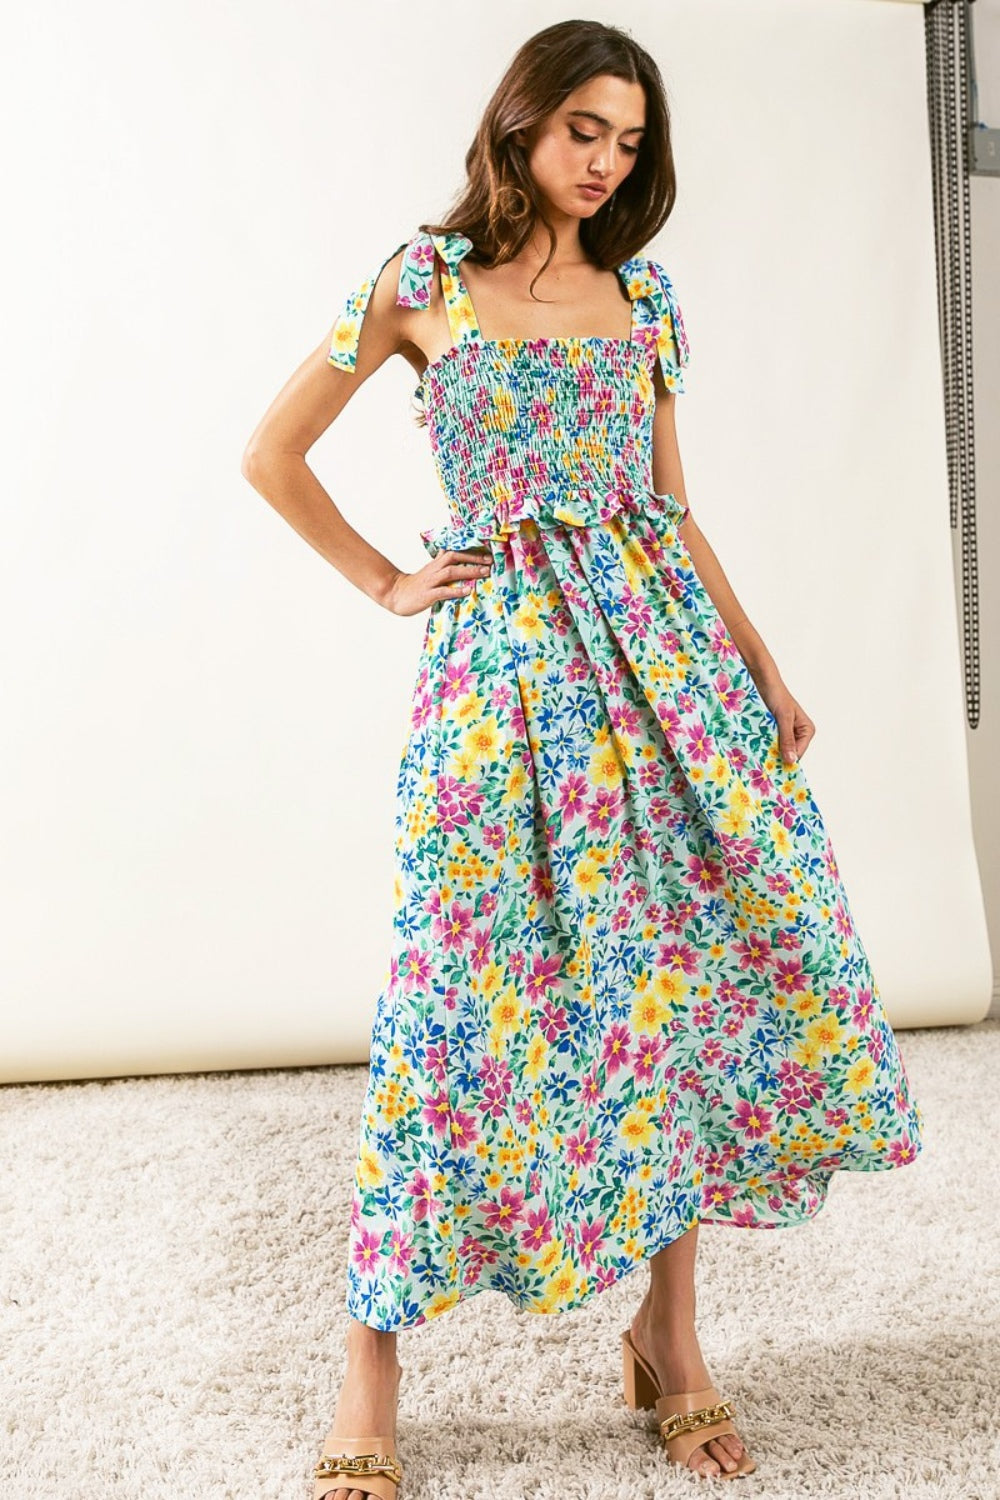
(481, 740)
(637, 1128)
(369, 1171)
(528, 617)
(651, 1010)
(860, 1075)
(536, 1056)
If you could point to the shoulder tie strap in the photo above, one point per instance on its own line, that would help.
(413, 290)
(418, 268)
(658, 319)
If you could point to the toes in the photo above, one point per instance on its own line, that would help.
(732, 1443)
(725, 1459)
(703, 1462)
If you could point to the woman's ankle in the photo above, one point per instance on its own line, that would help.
(373, 1345)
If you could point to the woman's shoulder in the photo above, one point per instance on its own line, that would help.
(409, 265)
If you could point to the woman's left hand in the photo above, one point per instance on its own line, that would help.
(795, 728)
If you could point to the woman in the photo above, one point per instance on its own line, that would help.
(626, 991)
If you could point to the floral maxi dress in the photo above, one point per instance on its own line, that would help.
(626, 993)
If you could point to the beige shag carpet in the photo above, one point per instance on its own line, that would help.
(171, 1285)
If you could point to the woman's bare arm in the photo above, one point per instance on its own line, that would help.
(274, 462)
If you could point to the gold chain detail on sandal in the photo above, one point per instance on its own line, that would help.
(679, 1422)
(358, 1464)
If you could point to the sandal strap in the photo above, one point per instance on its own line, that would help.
(357, 1465)
(676, 1423)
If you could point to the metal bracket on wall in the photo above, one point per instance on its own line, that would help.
(950, 83)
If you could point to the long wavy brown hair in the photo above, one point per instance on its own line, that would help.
(498, 208)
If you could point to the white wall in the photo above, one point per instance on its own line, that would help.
(203, 719)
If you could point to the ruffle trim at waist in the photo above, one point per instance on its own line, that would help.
(566, 508)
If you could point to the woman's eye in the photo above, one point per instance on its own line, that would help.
(579, 136)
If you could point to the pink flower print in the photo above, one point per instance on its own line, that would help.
(539, 1230)
(463, 1129)
(789, 939)
(436, 1060)
(504, 1214)
(638, 616)
(754, 952)
(670, 719)
(541, 884)
(711, 1050)
(703, 1013)
(494, 838)
(720, 641)
(573, 792)
(553, 1021)
(678, 956)
(800, 1087)
(759, 781)
(784, 811)
(861, 1013)
(752, 1118)
(704, 873)
(744, 1006)
(649, 1050)
(901, 1152)
(603, 809)
(581, 1148)
(367, 1252)
(437, 1112)
(626, 720)
(590, 1089)
(842, 920)
(496, 1076)
(454, 927)
(730, 695)
(615, 1053)
(742, 855)
(415, 970)
(717, 1194)
(543, 976)
(790, 976)
(459, 679)
(480, 950)
(523, 1112)
(746, 1217)
(591, 1233)
(400, 1251)
(422, 1200)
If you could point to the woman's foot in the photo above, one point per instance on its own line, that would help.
(671, 1346)
(369, 1396)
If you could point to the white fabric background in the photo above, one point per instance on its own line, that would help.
(202, 719)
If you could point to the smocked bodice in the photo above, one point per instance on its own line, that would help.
(554, 429)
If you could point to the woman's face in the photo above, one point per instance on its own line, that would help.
(592, 137)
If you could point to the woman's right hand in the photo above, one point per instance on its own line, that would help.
(445, 576)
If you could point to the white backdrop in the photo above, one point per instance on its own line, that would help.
(203, 720)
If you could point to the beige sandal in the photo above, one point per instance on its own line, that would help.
(367, 1464)
(687, 1419)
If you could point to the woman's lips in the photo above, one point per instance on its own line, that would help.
(592, 192)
